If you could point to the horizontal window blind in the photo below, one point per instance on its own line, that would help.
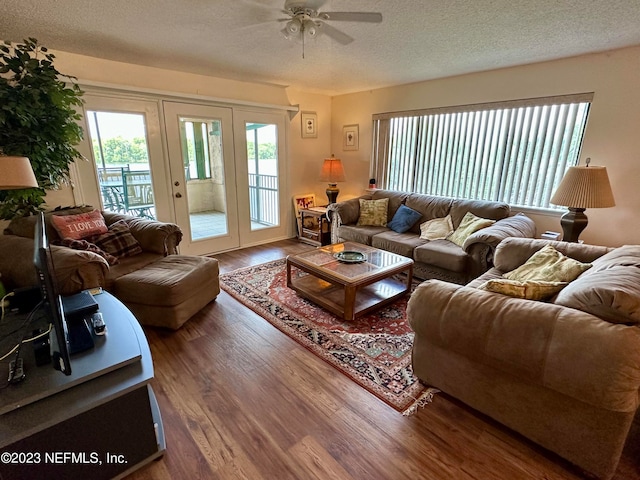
(515, 152)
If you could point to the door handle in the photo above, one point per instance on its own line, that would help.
(178, 195)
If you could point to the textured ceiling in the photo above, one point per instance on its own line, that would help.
(240, 39)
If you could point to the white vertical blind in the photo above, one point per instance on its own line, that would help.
(516, 151)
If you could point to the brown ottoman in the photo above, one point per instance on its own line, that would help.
(168, 292)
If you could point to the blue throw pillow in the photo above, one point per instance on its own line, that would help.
(404, 219)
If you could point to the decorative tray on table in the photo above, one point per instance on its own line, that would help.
(349, 256)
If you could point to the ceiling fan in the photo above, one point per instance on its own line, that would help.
(304, 20)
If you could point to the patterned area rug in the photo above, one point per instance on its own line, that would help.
(374, 350)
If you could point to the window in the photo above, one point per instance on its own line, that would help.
(515, 152)
(197, 149)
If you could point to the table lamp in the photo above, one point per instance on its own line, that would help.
(16, 173)
(332, 172)
(582, 187)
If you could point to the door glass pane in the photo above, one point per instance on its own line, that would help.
(202, 154)
(262, 156)
(120, 150)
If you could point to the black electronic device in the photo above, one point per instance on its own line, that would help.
(25, 298)
(43, 261)
(41, 348)
(79, 305)
(79, 335)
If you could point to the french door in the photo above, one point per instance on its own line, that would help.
(202, 166)
(222, 176)
(227, 173)
(123, 138)
(261, 175)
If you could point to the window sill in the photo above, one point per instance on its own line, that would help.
(546, 212)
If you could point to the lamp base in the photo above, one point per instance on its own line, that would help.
(573, 223)
(332, 192)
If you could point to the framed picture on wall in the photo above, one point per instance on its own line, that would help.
(350, 137)
(309, 124)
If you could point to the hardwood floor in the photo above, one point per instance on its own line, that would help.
(241, 400)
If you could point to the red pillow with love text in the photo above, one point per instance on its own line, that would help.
(79, 226)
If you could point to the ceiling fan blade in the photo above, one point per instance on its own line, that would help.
(336, 34)
(370, 17)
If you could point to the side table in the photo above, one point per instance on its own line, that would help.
(314, 226)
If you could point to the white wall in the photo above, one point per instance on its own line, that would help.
(129, 75)
(306, 154)
(612, 137)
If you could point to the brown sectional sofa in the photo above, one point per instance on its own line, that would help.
(77, 269)
(161, 287)
(567, 378)
(440, 259)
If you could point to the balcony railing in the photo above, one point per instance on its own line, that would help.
(263, 198)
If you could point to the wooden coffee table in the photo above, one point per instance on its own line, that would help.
(349, 289)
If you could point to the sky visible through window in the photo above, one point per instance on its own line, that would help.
(112, 124)
(118, 139)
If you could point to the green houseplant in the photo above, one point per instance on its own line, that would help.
(38, 119)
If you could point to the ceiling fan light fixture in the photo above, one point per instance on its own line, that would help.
(306, 22)
(285, 33)
(293, 26)
(311, 29)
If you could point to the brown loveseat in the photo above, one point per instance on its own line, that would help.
(440, 259)
(567, 378)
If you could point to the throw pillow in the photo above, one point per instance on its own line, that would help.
(79, 226)
(89, 247)
(611, 294)
(469, 224)
(118, 241)
(437, 228)
(530, 289)
(548, 265)
(404, 219)
(373, 212)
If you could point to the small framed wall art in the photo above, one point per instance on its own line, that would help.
(350, 137)
(309, 124)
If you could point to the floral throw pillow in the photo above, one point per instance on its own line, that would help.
(548, 265)
(469, 224)
(373, 212)
(79, 226)
(118, 241)
(529, 289)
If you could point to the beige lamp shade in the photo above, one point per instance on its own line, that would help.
(584, 187)
(332, 170)
(16, 173)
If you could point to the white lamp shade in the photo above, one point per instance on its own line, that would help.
(16, 173)
(584, 187)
